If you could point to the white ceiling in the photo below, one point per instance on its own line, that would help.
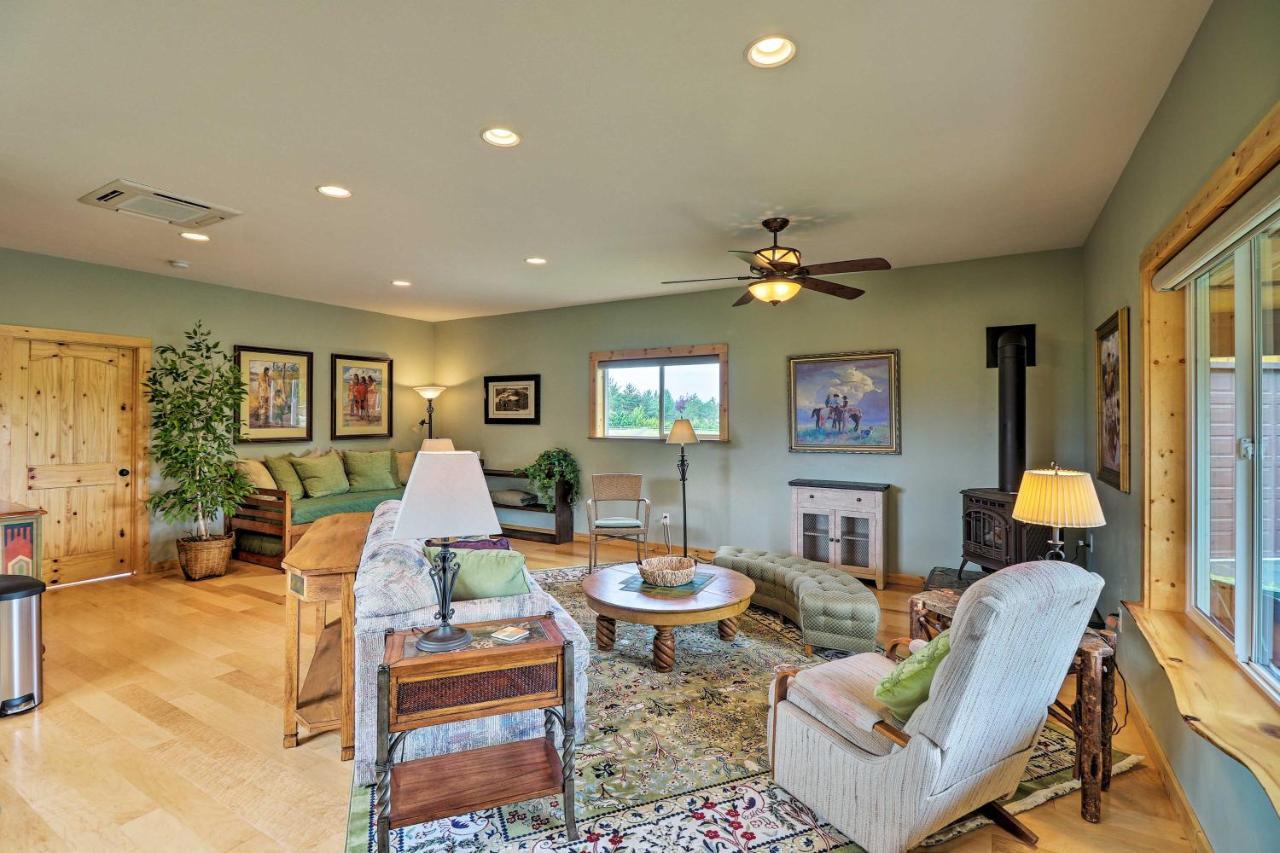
(917, 130)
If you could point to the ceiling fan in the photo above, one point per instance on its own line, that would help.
(777, 275)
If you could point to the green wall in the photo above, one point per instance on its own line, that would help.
(38, 290)
(1228, 80)
(936, 316)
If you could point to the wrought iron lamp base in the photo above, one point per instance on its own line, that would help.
(445, 638)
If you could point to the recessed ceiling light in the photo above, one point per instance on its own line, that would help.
(501, 137)
(771, 51)
(399, 282)
(537, 262)
(333, 191)
(195, 236)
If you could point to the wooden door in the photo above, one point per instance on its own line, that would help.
(73, 443)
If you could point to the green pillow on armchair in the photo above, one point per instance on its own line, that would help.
(907, 686)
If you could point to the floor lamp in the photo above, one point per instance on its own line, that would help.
(429, 393)
(446, 498)
(682, 433)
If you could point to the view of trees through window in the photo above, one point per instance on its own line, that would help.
(639, 398)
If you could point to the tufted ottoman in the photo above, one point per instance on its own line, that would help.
(833, 609)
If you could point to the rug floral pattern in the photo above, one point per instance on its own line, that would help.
(677, 761)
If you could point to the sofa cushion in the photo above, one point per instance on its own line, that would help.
(369, 471)
(309, 509)
(285, 477)
(263, 544)
(404, 465)
(321, 475)
(487, 573)
(256, 473)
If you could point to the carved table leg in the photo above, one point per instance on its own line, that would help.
(1089, 736)
(664, 648)
(606, 630)
(917, 619)
(728, 629)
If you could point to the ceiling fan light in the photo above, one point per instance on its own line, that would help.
(774, 290)
(781, 258)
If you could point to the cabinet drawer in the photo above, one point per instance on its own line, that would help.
(836, 499)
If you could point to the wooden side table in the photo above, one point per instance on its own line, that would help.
(319, 569)
(486, 678)
(1091, 717)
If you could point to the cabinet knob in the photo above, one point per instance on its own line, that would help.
(810, 497)
(859, 500)
(123, 472)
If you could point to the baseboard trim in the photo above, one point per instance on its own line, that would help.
(1191, 823)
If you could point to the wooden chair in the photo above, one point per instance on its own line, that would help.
(616, 488)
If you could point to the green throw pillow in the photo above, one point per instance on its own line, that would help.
(907, 687)
(369, 471)
(321, 475)
(488, 573)
(286, 478)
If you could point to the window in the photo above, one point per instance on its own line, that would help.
(641, 393)
(1234, 329)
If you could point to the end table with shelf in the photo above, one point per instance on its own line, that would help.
(487, 678)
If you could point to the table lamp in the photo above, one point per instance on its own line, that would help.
(446, 498)
(429, 393)
(682, 433)
(1057, 498)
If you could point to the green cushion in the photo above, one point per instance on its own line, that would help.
(309, 509)
(369, 471)
(259, 543)
(907, 686)
(286, 478)
(321, 475)
(619, 522)
(489, 573)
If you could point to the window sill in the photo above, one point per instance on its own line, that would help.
(1246, 725)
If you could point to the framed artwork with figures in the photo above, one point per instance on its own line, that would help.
(360, 406)
(844, 402)
(278, 406)
(513, 399)
(1111, 374)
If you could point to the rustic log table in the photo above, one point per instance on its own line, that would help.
(1091, 717)
(319, 569)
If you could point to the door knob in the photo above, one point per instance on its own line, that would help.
(123, 472)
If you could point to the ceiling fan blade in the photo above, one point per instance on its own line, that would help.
(722, 278)
(857, 265)
(753, 259)
(744, 299)
(828, 287)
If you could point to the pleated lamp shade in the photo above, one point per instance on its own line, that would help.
(1057, 497)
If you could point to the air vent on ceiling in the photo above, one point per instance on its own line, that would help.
(129, 197)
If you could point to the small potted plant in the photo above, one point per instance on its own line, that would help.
(551, 467)
(195, 394)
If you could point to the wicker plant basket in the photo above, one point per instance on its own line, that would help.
(204, 559)
(667, 571)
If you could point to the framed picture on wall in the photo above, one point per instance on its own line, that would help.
(360, 405)
(278, 407)
(844, 403)
(513, 399)
(1111, 374)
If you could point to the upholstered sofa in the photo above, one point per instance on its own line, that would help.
(393, 591)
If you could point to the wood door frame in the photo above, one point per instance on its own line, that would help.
(140, 541)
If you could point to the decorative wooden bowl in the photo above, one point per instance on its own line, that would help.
(667, 571)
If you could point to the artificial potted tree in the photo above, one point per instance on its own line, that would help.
(195, 394)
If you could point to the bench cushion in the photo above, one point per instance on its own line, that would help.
(309, 509)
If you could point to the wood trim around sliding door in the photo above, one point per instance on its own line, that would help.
(140, 541)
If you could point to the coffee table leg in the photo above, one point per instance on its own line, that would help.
(664, 648)
(729, 629)
(606, 630)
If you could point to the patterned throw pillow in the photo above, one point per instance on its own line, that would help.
(321, 475)
(368, 471)
(907, 686)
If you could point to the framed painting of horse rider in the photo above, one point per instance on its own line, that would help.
(844, 402)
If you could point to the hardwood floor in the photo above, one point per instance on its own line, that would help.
(160, 730)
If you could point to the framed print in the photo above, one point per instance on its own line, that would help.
(278, 407)
(1111, 374)
(513, 399)
(360, 405)
(844, 402)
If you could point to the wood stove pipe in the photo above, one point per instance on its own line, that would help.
(1011, 354)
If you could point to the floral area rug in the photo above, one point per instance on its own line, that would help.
(678, 761)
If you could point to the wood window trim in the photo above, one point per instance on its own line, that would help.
(595, 382)
(141, 547)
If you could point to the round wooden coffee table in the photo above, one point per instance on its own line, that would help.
(722, 600)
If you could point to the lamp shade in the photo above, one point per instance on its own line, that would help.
(1056, 497)
(446, 497)
(436, 445)
(682, 433)
(429, 392)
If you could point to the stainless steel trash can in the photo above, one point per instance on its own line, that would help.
(20, 648)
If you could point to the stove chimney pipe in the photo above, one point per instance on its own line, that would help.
(1011, 355)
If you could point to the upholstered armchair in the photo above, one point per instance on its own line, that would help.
(633, 526)
(889, 786)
